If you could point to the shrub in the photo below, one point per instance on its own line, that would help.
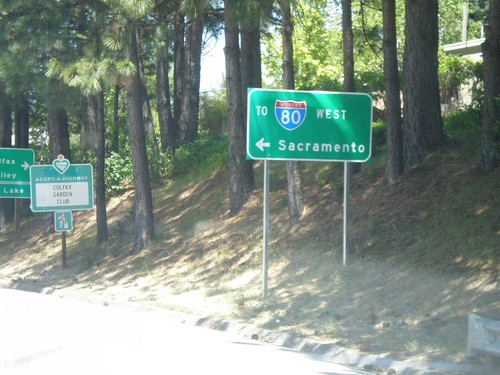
(206, 153)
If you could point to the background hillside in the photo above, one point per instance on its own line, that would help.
(423, 253)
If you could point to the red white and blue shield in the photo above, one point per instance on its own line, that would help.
(290, 114)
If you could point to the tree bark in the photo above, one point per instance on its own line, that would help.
(165, 117)
(179, 70)
(188, 122)
(394, 166)
(146, 106)
(22, 123)
(101, 212)
(251, 67)
(143, 209)
(294, 179)
(490, 155)
(240, 170)
(348, 46)
(94, 139)
(58, 131)
(88, 130)
(6, 205)
(115, 139)
(348, 54)
(423, 125)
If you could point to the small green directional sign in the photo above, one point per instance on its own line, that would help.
(63, 221)
(309, 125)
(14, 172)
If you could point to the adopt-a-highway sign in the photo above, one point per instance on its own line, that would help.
(309, 125)
(62, 187)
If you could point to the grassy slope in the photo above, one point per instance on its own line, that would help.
(424, 253)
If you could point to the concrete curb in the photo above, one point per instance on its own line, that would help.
(342, 355)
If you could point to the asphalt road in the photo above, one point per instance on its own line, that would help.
(42, 334)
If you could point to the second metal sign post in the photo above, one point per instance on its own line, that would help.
(307, 125)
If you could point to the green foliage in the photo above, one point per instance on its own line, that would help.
(450, 17)
(379, 134)
(158, 165)
(327, 175)
(317, 49)
(213, 113)
(464, 128)
(204, 154)
(118, 173)
(455, 71)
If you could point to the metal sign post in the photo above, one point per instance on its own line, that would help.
(265, 240)
(347, 183)
(307, 125)
(62, 188)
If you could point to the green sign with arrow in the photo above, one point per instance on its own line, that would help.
(14, 172)
(309, 125)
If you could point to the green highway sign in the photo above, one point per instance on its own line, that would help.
(62, 187)
(309, 125)
(14, 172)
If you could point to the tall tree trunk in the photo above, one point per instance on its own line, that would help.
(348, 58)
(143, 209)
(348, 46)
(188, 122)
(94, 139)
(22, 123)
(58, 131)
(251, 66)
(194, 63)
(251, 62)
(294, 179)
(101, 212)
(6, 205)
(490, 155)
(165, 118)
(146, 106)
(88, 130)
(240, 172)
(115, 138)
(179, 70)
(423, 124)
(5, 121)
(147, 114)
(394, 166)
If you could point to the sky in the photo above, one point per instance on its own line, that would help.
(212, 65)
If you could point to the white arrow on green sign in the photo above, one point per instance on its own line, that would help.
(14, 172)
(309, 125)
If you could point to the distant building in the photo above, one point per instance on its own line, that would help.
(468, 48)
(455, 97)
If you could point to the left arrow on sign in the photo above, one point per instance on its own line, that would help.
(261, 144)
